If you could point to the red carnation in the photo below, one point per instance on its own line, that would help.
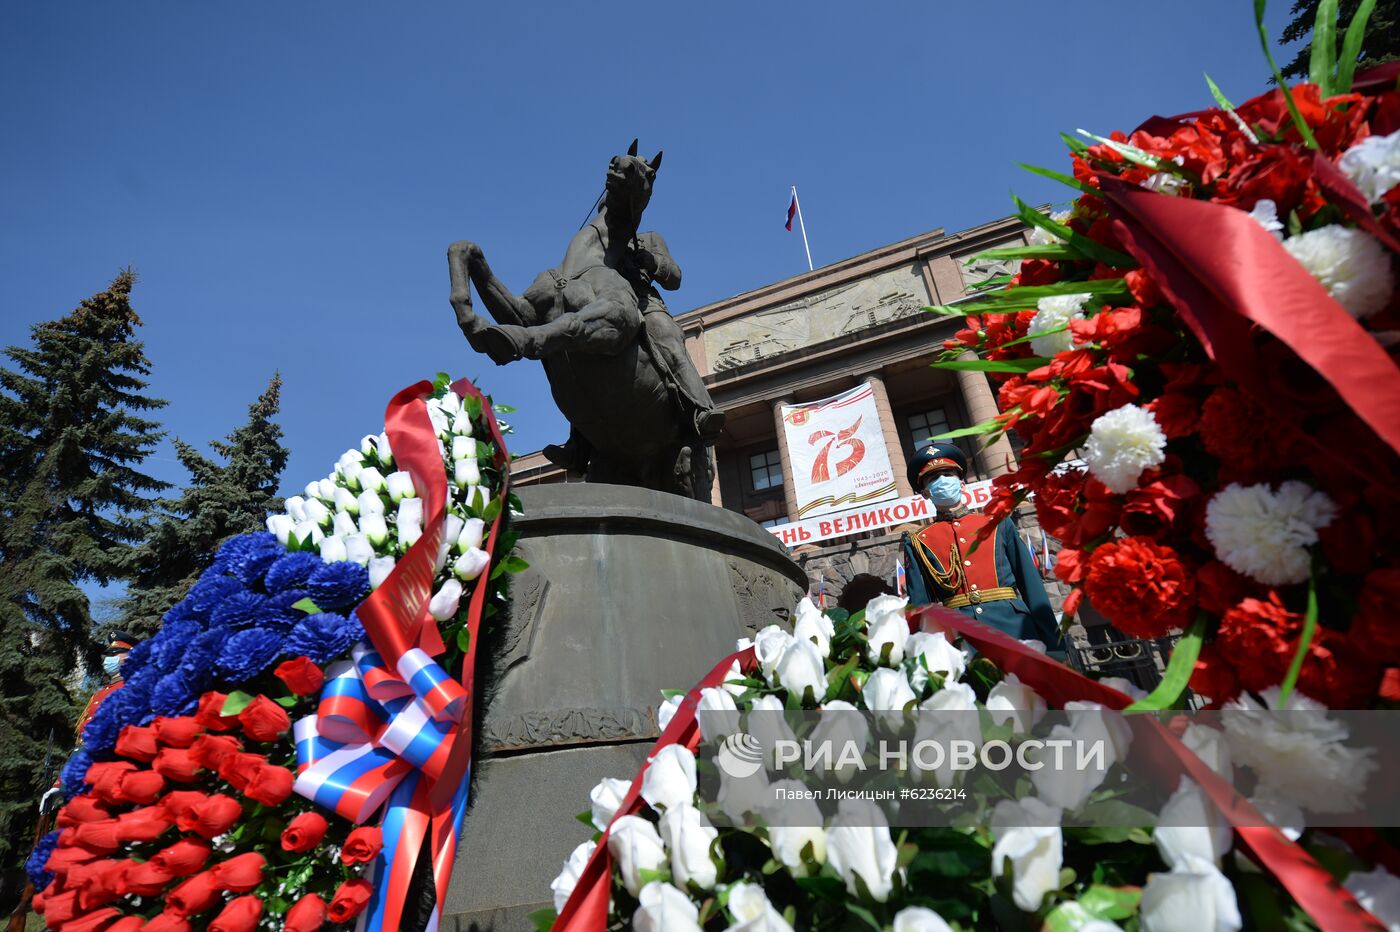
(178, 802)
(187, 856)
(1250, 443)
(1258, 636)
(304, 832)
(241, 873)
(362, 846)
(93, 921)
(1156, 509)
(195, 895)
(177, 764)
(264, 720)
(177, 732)
(1221, 588)
(145, 824)
(211, 704)
(1141, 586)
(209, 751)
(240, 915)
(1177, 413)
(167, 921)
(142, 787)
(81, 809)
(306, 915)
(1336, 673)
(269, 785)
(137, 743)
(301, 675)
(148, 879)
(1374, 626)
(349, 901)
(212, 817)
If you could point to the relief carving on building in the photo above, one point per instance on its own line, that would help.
(816, 318)
(978, 273)
(563, 727)
(762, 598)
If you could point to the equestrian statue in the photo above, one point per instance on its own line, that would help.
(638, 411)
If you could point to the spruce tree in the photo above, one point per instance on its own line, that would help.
(1381, 44)
(220, 501)
(72, 437)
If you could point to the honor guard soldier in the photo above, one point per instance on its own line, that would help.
(117, 649)
(997, 583)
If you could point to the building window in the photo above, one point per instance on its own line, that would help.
(772, 522)
(926, 425)
(766, 470)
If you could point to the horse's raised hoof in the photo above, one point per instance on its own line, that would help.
(496, 343)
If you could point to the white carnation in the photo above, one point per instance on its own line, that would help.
(1265, 534)
(1353, 266)
(1298, 753)
(1056, 311)
(1039, 236)
(1373, 165)
(1166, 183)
(1122, 443)
(1265, 213)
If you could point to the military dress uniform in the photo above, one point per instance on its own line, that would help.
(996, 584)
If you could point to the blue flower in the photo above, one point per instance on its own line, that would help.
(71, 777)
(324, 637)
(247, 653)
(212, 588)
(198, 661)
(240, 610)
(291, 571)
(34, 867)
(172, 693)
(248, 556)
(171, 642)
(137, 658)
(339, 585)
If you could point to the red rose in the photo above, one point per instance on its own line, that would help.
(212, 817)
(142, 787)
(60, 907)
(1374, 625)
(127, 924)
(66, 857)
(146, 824)
(148, 879)
(362, 846)
(210, 705)
(106, 777)
(137, 743)
(270, 785)
(1141, 586)
(240, 915)
(304, 832)
(81, 809)
(301, 675)
(264, 720)
(349, 901)
(238, 768)
(92, 921)
(240, 873)
(306, 915)
(167, 921)
(1155, 510)
(187, 856)
(97, 883)
(194, 896)
(209, 751)
(177, 732)
(178, 802)
(177, 764)
(103, 836)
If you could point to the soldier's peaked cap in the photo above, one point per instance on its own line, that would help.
(939, 454)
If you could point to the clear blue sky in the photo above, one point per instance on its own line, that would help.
(285, 178)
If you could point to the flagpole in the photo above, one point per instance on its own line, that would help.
(803, 226)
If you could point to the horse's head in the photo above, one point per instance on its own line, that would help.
(628, 187)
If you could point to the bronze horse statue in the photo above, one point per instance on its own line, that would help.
(615, 358)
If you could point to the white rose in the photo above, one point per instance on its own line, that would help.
(325, 489)
(1378, 892)
(308, 531)
(858, 844)
(939, 656)
(371, 481)
(471, 564)
(449, 402)
(767, 724)
(887, 690)
(346, 501)
(716, 714)
(1211, 747)
(359, 549)
(1093, 722)
(1126, 687)
(663, 908)
(605, 798)
(410, 521)
(333, 549)
(1287, 817)
(463, 448)
(563, 886)
(740, 795)
(1191, 826)
(800, 669)
(370, 504)
(635, 847)
(919, 919)
(342, 525)
(1193, 898)
(840, 725)
(794, 825)
(440, 422)
(400, 485)
(462, 424)
(669, 781)
(443, 605)
(281, 526)
(386, 453)
(469, 537)
(1030, 842)
(688, 836)
(349, 474)
(768, 646)
(1068, 786)
(667, 711)
(379, 570)
(317, 512)
(734, 680)
(752, 911)
(296, 507)
(466, 473)
(1015, 702)
(948, 715)
(374, 527)
(812, 625)
(884, 619)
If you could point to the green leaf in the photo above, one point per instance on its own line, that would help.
(1061, 178)
(1047, 251)
(286, 702)
(1304, 642)
(1179, 669)
(1039, 333)
(503, 408)
(1080, 243)
(515, 564)
(236, 702)
(306, 605)
(1351, 47)
(1111, 902)
(1067, 917)
(945, 310)
(994, 365)
(464, 639)
(1024, 297)
(440, 383)
(492, 509)
(1221, 100)
(1303, 129)
(863, 914)
(1135, 155)
(1076, 146)
(986, 427)
(1324, 47)
(542, 920)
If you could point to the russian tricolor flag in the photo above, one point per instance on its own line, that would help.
(792, 211)
(899, 577)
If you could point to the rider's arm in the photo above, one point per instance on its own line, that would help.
(668, 273)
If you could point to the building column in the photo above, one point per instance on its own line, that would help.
(716, 498)
(890, 431)
(789, 491)
(997, 458)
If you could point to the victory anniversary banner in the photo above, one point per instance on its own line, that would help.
(837, 452)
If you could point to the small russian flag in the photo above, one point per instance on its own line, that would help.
(792, 211)
(821, 592)
(899, 577)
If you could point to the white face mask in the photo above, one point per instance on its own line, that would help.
(111, 665)
(945, 491)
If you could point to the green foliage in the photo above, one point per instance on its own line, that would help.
(72, 436)
(1379, 44)
(220, 502)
